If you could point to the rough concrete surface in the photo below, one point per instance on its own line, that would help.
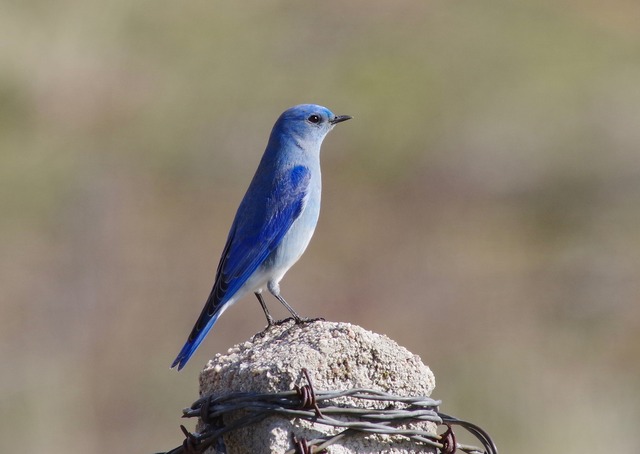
(338, 356)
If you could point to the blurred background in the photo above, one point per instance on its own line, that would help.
(482, 209)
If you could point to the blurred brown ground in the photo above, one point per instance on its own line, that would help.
(483, 208)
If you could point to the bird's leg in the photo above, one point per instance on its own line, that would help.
(274, 289)
(294, 314)
(270, 321)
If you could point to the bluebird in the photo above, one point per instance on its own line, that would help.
(274, 222)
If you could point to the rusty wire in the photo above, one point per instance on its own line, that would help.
(316, 406)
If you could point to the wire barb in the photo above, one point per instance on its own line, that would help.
(301, 446)
(448, 441)
(306, 403)
(307, 395)
(190, 443)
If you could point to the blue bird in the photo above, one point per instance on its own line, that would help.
(275, 220)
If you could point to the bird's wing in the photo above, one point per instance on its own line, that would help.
(257, 230)
(253, 239)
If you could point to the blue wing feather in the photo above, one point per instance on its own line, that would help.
(257, 238)
(256, 232)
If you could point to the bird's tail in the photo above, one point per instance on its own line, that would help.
(200, 330)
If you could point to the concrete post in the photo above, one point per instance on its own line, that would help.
(338, 356)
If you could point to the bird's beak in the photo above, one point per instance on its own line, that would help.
(340, 119)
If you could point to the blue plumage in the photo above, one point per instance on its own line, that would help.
(275, 220)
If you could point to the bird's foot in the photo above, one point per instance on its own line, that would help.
(270, 324)
(264, 332)
(309, 320)
(298, 321)
(284, 320)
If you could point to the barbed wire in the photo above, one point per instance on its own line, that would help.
(319, 407)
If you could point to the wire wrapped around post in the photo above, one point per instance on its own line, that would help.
(318, 407)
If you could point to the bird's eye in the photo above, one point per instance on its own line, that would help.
(314, 119)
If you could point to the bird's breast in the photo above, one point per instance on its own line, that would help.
(297, 238)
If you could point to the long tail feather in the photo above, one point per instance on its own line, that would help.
(195, 339)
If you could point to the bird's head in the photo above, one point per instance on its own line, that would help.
(308, 123)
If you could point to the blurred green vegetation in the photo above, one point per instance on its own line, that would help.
(483, 208)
